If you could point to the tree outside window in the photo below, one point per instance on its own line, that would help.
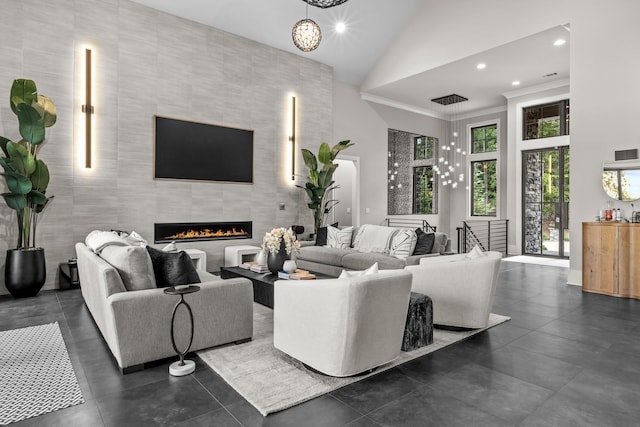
(484, 188)
(423, 147)
(485, 139)
(423, 190)
(547, 120)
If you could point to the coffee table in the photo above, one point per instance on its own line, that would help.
(262, 282)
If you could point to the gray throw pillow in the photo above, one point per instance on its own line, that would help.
(440, 242)
(133, 265)
(172, 268)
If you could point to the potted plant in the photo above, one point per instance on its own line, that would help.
(26, 178)
(321, 182)
(277, 252)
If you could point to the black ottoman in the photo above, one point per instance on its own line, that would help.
(418, 330)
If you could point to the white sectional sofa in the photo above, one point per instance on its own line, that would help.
(359, 248)
(136, 324)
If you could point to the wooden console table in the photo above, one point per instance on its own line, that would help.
(610, 254)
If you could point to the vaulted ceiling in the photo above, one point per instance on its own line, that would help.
(372, 26)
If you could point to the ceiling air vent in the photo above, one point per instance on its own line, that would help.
(450, 99)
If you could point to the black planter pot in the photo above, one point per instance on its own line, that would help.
(25, 272)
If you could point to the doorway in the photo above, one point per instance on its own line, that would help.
(545, 210)
(346, 178)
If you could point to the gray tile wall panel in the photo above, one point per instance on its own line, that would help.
(146, 63)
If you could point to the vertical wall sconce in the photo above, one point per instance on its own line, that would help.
(87, 108)
(292, 138)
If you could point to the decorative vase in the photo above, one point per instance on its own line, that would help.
(261, 258)
(25, 272)
(276, 260)
(289, 266)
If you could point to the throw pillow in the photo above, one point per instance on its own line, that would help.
(476, 252)
(353, 273)
(172, 268)
(439, 242)
(424, 243)
(133, 264)
(403, 243)
(135, 239)
(337, 238)
(321, 237)
(97, 240)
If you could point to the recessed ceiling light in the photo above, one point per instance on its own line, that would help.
(515, 83)
(481, 66)
(559, 42)
(340, 27)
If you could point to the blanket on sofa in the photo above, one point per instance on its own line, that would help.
(374, 238)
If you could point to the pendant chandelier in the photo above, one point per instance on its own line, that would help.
(324, 3)
(452, 151)
(306, 34)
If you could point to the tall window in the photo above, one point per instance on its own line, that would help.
(423, 190)
(412, 182)
(484, 169)
(423, 147)
(484, 188)
(544, 121)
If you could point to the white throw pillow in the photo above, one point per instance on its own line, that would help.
(135, 239)
(98, 240)
(134, 265)
(354, 273)
(337, 238)
(476, 252)
(403, 243)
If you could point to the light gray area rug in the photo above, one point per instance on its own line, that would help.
(36, 376)
(272, 381)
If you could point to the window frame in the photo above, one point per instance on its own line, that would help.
(564, 107)
(481, 157)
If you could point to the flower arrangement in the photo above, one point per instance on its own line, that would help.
(272, 241)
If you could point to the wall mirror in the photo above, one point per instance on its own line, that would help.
(621, 179)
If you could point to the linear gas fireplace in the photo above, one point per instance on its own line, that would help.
(201, 231)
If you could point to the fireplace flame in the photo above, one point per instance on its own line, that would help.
(207, 233)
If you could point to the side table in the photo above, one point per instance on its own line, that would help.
(236, 255)
(418, 330)
(181, 367)
(198, 257)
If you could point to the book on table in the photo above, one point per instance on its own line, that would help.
(247, 265)
(258, 268)
(299, 274)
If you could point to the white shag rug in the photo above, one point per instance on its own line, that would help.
(36, 375)
(273, 381)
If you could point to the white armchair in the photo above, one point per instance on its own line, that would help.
(342, 327)
(461, 289)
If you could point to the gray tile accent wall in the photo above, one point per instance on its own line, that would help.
(147, 62)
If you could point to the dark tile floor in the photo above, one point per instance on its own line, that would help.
(565, 359)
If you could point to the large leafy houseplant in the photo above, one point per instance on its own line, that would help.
(320, 179)
(26, 176)
(27, 179)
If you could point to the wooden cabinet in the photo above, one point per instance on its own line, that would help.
(610, 251)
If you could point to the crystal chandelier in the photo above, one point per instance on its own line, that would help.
(324, 3)
(452, 151)
(306, 34)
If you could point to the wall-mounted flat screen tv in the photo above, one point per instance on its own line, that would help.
(202, 152)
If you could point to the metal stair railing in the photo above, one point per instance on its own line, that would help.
(489, 235)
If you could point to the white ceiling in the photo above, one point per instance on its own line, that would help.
(371, 26)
